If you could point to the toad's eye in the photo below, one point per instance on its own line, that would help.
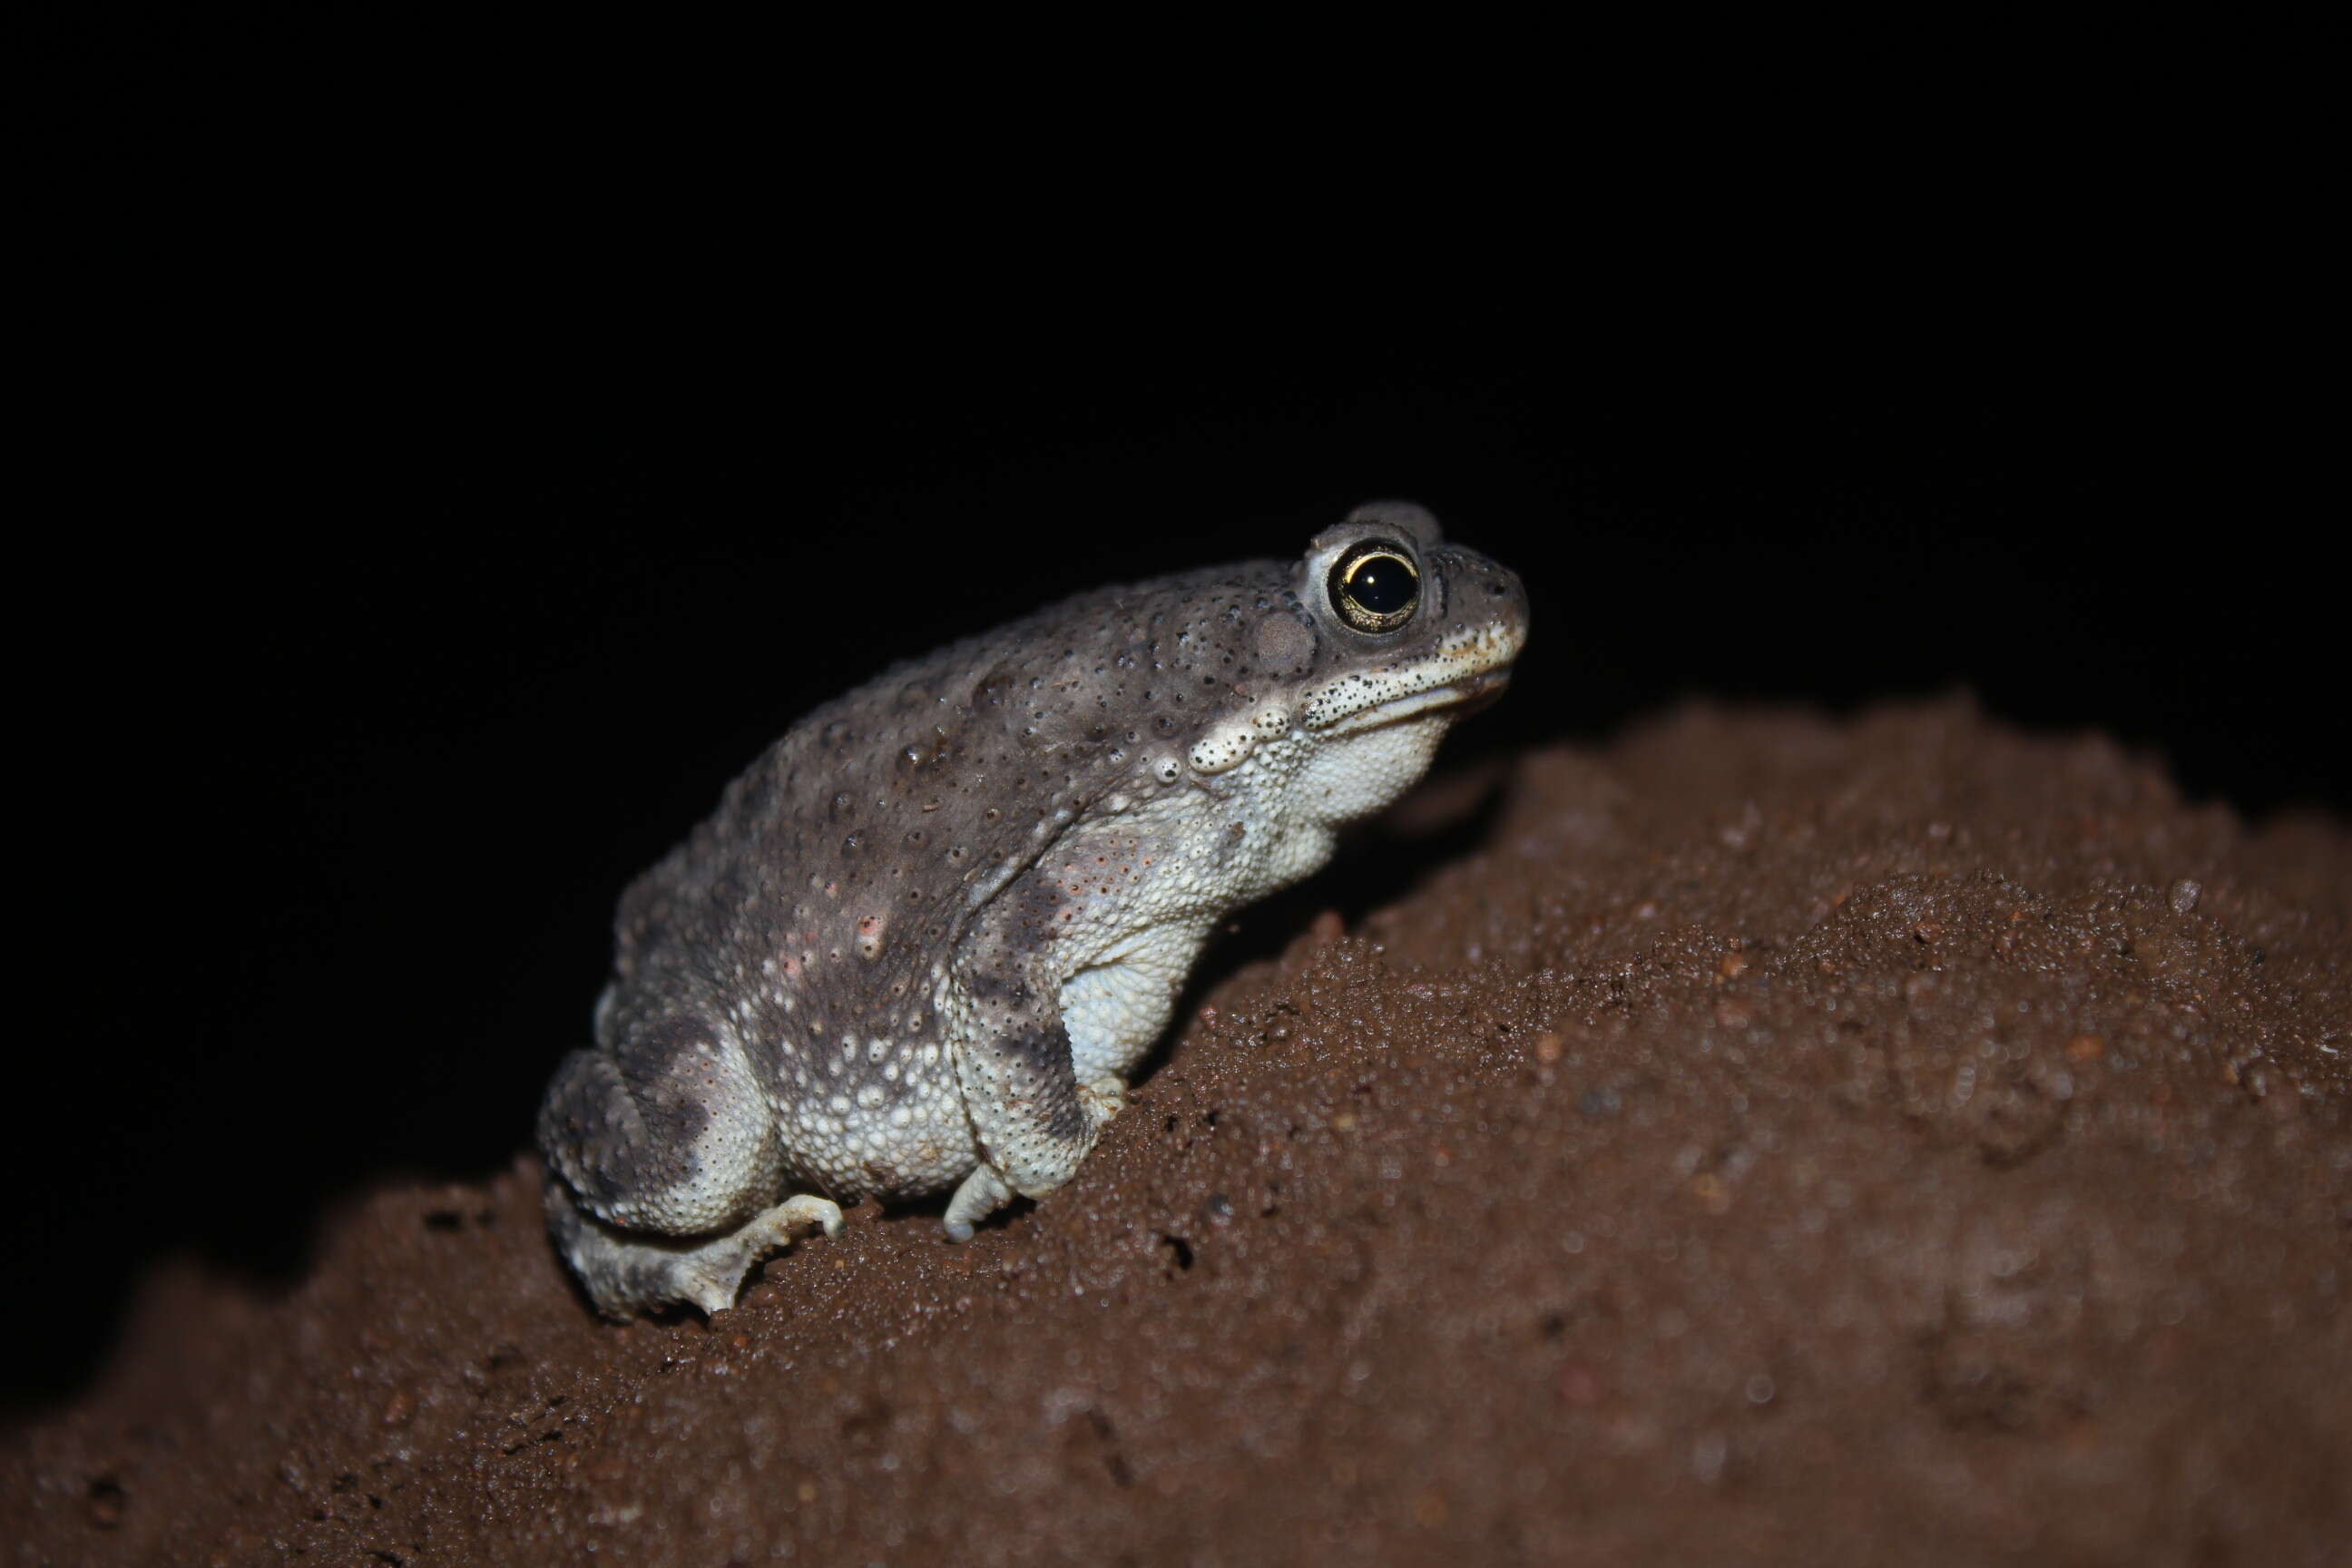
(1375, 586)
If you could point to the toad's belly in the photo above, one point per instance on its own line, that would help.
(867, 1122)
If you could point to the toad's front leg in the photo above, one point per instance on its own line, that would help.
(1032, 1120)
(989, 1188)
(1026, 979)
(1031, 1116)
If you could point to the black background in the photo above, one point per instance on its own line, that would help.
(376, 670)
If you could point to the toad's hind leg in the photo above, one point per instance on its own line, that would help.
(664, 1166)
(626, 1272)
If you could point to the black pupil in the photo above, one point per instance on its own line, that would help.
(1382, 584)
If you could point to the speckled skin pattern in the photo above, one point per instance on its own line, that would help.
(928, 934)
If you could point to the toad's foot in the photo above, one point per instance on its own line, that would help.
(1101, 1100)
(983, 1193)
(628, 1271)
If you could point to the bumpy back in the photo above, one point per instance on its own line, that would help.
(855, 848)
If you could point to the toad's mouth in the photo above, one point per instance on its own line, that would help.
(1461, 697)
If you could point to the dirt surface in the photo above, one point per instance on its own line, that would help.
(1776, 1142)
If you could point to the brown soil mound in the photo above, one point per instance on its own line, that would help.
(1781, 1141)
